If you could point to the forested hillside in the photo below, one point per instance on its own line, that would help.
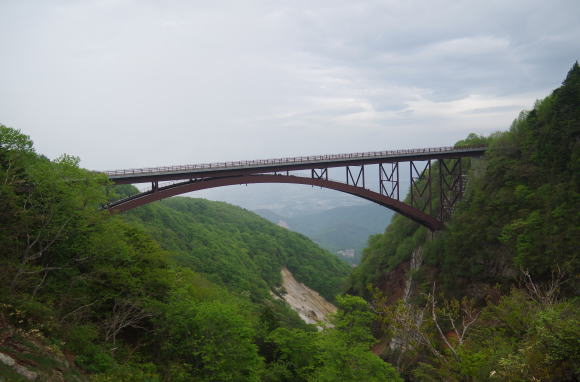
(176, 291)
(495, 295)
(237, 248)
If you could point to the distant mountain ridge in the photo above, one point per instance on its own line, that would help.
(337, 229)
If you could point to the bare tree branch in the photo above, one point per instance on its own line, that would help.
(77, 310)
(125, 315)
(546, 294)
(434, 314)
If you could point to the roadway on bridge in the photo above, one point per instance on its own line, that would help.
(182, 172)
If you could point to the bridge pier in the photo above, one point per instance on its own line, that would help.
(389, 181)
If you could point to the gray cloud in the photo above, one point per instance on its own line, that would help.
(126, 83)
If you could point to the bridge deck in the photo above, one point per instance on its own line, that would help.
(142, 175)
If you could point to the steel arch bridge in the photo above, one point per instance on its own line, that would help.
(174, 180)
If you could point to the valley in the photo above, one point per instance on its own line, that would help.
(343, 231)
(185, 289)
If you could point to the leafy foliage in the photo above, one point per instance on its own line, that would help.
(520, 210)
(122, 293)
(212, 340)
(237, 248)
(517, 226)
(340, 353)
(344, 351)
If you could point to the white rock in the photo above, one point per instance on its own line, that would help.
(30, 375)
(5, 358)
(310, 306)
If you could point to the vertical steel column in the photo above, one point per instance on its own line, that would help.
(451, 186)
(391, 179)
(360, 177)
(461, 184)
(398, 184)
(442, 196)
(323, 174)
(423, 199)
(430, 196)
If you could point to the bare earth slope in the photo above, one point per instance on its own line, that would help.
(310, 306)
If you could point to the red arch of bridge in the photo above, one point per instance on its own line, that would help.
(181, 188)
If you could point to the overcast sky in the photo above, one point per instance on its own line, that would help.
(135, 83)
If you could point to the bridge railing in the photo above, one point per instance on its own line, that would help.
(288, 160)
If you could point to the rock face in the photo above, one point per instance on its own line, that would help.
(28, 355)
(397, 284)
(23, 371)
(310, 306)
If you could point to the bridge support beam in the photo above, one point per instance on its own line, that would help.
(451, 186)
(421, 192)
(353, 180)
(318, 173)
(389, 180)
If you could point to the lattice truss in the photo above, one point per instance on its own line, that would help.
(436, 180)
(451, 182)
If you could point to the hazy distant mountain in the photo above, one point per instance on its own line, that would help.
(337, 229)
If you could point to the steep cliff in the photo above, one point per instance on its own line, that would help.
(519, 210)
(494, 295)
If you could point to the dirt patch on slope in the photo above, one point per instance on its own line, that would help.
(310, 306)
